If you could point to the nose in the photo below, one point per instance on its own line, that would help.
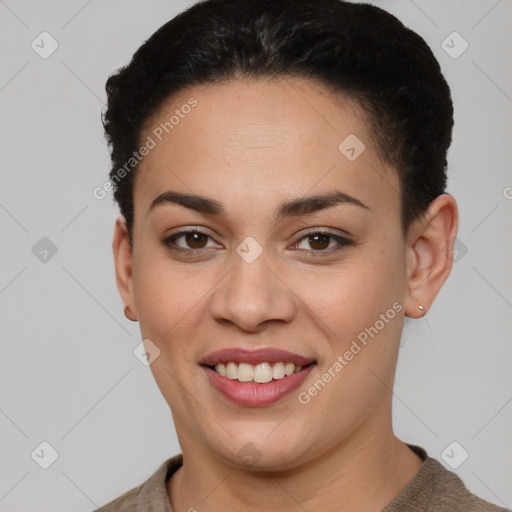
(253, 293)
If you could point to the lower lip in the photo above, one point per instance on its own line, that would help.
(254, 394)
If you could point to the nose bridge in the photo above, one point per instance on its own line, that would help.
(251, 292)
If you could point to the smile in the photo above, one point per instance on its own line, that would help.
(263, 372)
(256, 377)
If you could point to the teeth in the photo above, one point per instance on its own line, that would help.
(278, 371)
(289, 368)
(245, 372)
(232, 371)
(261, 373)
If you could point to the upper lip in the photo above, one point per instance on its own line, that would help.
(257, 356)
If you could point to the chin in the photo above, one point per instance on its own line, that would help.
(260, 452)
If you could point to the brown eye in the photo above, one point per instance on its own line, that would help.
(196, 240)
(319, 241)
(188, 241)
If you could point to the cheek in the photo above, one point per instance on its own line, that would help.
(352, 297)
(168, 298)
(361, 317)
(168, 302)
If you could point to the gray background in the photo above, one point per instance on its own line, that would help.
(68, 373)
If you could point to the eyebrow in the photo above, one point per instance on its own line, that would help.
(293, 208)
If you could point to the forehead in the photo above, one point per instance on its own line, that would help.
(262, 140)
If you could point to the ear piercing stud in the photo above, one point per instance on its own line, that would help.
(421, 307)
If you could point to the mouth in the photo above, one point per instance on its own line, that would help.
(261, 373)
(260, 366)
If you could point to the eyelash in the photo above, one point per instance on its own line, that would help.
(343, 242)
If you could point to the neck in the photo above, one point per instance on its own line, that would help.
(366, 471)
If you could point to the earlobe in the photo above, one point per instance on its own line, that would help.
(128, 314)
(124, 266)
(430, 254)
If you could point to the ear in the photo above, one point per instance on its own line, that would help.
(430, 254)
(123, 265)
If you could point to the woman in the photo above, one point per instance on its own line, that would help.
(280, 167)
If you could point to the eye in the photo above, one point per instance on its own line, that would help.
(194, 241)
(322, 242)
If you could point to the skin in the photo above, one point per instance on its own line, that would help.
(251, 145)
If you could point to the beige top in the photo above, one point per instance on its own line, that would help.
(433, 489)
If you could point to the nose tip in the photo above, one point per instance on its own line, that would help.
(251, 295)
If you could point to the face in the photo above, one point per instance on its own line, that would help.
(254, 266)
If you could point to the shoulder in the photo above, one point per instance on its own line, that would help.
(127, 502)
(450, 493)
(150, 495)
(437, 489)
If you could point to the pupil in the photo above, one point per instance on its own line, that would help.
(325, 238)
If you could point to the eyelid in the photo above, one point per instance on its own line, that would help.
(326, 231)
(205, 231)
(183, 230)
